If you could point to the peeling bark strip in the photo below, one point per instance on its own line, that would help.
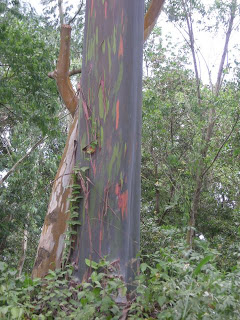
(51, 243)
(110, 131)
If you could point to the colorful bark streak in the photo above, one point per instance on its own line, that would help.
(110, 124)
(120, 51)
(92, 8)
(106, 4)
(122, 200)
(117, 114)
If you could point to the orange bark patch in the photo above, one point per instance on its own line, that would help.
(117, 114)
(122, 200)
(117, 189)
(122, 203)
(120, 50)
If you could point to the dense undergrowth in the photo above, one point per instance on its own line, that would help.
(174, 283)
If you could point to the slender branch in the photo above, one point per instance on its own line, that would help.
(22, 159)
(222, 145)
(79, 10)
(192, 47)
(15, 115)
(225, 49)
(61, 14)
(208, 69)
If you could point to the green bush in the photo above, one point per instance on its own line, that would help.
(174, 283)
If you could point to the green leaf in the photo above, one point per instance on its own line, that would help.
(3, 266)
(17, 312)
(143, 267)
(91, 264)
(161, 300)
(202, 263)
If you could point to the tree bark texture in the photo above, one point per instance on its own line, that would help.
(110, 136)
(51, 243)
(151, 16)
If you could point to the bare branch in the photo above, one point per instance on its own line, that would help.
(22, 159)
(61, 14)
(222, 145)
(225, 49)
(79, 10)
(192, 47)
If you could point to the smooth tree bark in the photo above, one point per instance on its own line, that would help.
(110, 137)
(98, 131)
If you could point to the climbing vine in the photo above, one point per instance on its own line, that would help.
(77, 195)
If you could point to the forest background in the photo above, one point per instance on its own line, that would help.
(190, 224)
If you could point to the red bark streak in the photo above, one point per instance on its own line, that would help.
(91, 8)
(117, 114)
(105, 9)
(85, 109)
(120, 51)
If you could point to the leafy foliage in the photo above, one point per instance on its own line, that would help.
(174, 283)
(29, 109)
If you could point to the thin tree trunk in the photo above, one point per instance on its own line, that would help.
(192, 46)
(208, 136)
(24, 249)
(61, 13)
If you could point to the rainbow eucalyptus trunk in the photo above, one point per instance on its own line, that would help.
(110, 136)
